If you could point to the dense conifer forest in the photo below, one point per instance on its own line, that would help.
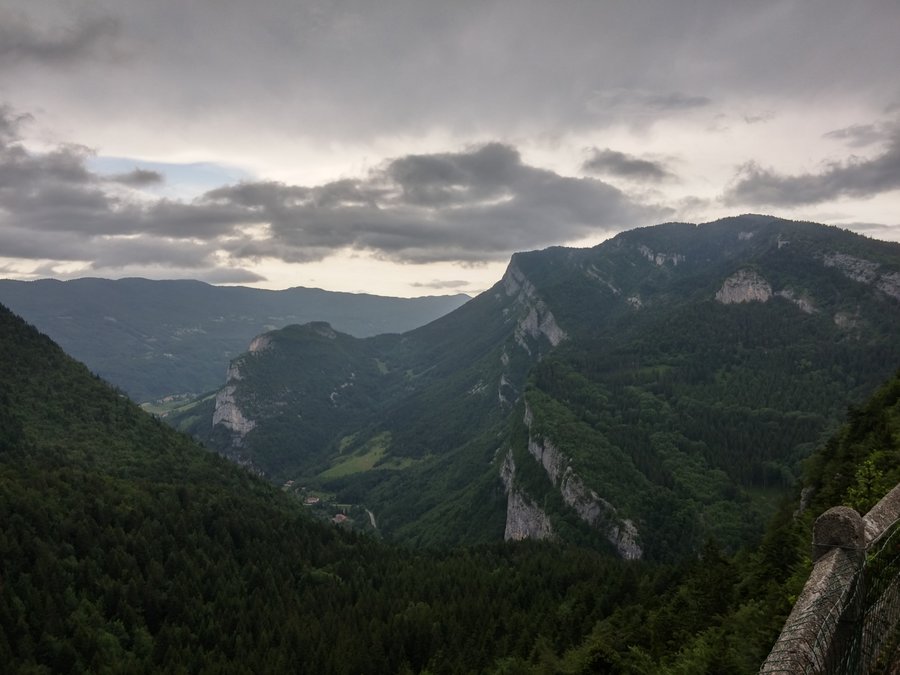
(125, 547)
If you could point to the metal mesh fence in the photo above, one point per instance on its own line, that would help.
(851, 624)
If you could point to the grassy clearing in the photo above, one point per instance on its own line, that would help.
(171, 404)
(366, 459)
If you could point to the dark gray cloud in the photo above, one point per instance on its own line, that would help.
(476, 205)
(498, 68)
(614, 163)
(480, 204)
(852, 178)
(77, 38)
(633, 100)
(640, 107)
(860, 135)
(759, 117)
(11, 124)
(54, 191)
(138, 178)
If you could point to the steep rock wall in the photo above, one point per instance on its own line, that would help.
(660, 259)
(227, 413)
(803, 302)
(537, 319)
(524, 519)
(865, 272)
(744, 286)
(590, 507)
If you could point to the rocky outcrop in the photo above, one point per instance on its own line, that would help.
(744, 286)
(507, 394)
(260, 343)
(524, 520)
(227, 413)
(857, 269)
(846, 321)
(661, 259)
(593, 273)
(865, 272)
(540, 321)
(590, 507)
(599, 513)
(230, 416)
(889, 283)
(802, 301)
(537, 319)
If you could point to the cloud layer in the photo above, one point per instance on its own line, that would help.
(473, 206)
(615, 163)
(426, 131)
(854, 178)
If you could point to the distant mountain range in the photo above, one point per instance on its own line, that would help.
(638, 396)
(158, 338)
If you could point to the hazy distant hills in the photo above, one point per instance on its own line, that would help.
(639, 396)
(156, 338)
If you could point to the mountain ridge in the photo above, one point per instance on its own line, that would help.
(678, 369)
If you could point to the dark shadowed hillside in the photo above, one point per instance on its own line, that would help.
(125, 547)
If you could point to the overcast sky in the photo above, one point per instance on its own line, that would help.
(409, 147)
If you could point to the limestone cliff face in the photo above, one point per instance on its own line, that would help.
(744, 286)
(227, 413)
(590, 507)
(890, 284)
(802, 301)
(660, 259)
(865, 272)
(537, 319)
(260, 343)
(524, 520)
(857, 269)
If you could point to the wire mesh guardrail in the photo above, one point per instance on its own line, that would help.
(851, 626)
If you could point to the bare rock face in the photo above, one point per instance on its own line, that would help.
(803, 302)
(660, 259)
(230, 416)
(227, 413)
(538, 319)
(846, 321)
(865, 272)
(553, 461)
(889, 283)
(524, 520)
(600, 514)
(260, 343)
(744, 286)
(590, 507)
(857, 269)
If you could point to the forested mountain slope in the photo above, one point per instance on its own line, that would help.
(157, 338)
(125, 547)
(723, 614)
(638, 396)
